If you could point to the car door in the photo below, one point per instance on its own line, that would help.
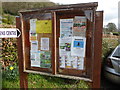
(115, 58)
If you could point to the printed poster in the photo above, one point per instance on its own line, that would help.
(45, 58)
(71, 62)
(64, 46)
(65, 61)
(35, 59)
(44, 26)
(78, 46)
(66, 27)
(45, 44)
(33, 25)
(79, 26)
(64, 52)
(33, 37)
(34, 46)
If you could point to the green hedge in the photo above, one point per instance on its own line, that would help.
(108, 46)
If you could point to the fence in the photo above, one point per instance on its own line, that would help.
(110, 36)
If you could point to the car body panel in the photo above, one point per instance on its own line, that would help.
(115, 58)
(113, 73)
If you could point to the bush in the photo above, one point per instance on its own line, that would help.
(108, 46)
(116, 33)
(9, 52)
(8, 19)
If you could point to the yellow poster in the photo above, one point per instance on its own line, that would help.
(43, 26)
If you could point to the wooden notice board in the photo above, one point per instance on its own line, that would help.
(61, 41)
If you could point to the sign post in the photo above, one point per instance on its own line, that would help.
(23, 75)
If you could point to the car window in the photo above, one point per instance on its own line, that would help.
(117, 53)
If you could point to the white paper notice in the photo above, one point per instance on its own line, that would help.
(45, 44)
(66, 27)
(78, 46)
(34, 46)
(35, 59)
(80, 63)
(33, 25)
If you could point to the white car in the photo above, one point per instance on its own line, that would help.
(112, 66)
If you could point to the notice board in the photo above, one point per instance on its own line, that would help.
(61, 41)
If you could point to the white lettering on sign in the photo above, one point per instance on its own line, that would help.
(9, 33)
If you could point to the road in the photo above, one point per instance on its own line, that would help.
(107, 85)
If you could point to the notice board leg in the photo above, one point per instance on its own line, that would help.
(97, 49)
(23, 75)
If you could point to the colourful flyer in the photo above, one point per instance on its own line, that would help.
(33, 37)
(43, 26)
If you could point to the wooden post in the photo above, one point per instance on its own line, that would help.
(23, 75)
(97, 49)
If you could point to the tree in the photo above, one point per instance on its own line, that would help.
(111, 27)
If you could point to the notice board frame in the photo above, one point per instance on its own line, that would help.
(95, 35)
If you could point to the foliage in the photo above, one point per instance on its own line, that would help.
(13, 7)
(111, 27)
(108, 45)
(9, 52)
(10, 73)
(116, 33)
(8, 19)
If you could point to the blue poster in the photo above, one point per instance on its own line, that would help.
(79, 44)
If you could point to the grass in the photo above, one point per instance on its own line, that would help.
(39, 81)
(10, 84)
